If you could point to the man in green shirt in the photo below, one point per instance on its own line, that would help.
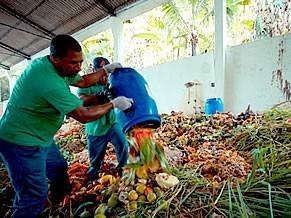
(36, 109)
(104, 130)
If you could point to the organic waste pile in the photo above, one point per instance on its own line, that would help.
(224, 165)
(71, 138)
(202, 141)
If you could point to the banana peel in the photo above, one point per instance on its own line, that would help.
(107, 179)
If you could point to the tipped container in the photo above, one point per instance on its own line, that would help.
(144, 113)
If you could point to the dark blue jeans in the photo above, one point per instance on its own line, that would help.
(97, 148)
(29, 167)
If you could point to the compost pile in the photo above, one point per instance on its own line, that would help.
(71, 138)
(221, 166)
(202, 142)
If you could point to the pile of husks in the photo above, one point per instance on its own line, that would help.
(192, 166)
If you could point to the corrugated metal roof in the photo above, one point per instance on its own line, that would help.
(45, 18)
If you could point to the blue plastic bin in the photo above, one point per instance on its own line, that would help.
(213, 105)
(129, 83)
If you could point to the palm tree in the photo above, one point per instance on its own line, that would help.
(202, 14)
(175, 18)
(177, 28)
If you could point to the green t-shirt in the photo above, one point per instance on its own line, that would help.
(103, 124)
(38, 104)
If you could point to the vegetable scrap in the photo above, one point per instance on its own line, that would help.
(223, 165)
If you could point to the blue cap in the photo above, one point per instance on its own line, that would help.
(100, 62)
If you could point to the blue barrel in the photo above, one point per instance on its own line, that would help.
(213, 105)
(144, 113)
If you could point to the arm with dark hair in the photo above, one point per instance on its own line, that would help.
(88, 100)
(87, 114)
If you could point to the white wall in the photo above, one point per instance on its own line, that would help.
(166, 82)
(249, 71)
(248, 77)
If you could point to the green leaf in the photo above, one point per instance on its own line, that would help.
(249, 24)
(162, 157)
(282, 163)
(270, 200)
(229, 198)
(204, 38)
(82, 206)
(182, 45)
(151, 36)
(229, 11)
(147, 151)
(155, 47)
(245, 2)
(243, 207)
(134, 165)
(158, 23)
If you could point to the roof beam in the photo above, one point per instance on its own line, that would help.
(22, 30)
(14, 13)
(5, 67)
(104, 5)
(9, 48)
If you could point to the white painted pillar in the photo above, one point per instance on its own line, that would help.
(12, 80)
(117, 31)
(220, 45)
(3, 104)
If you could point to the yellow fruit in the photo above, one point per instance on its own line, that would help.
(158, 191)
(163, 205)
(132, 206)
(141, 198)
(151, 197)
(100, 209)
(99, 215)
(140, 188)
(107, 179)
(113, 200)
(132, 195)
